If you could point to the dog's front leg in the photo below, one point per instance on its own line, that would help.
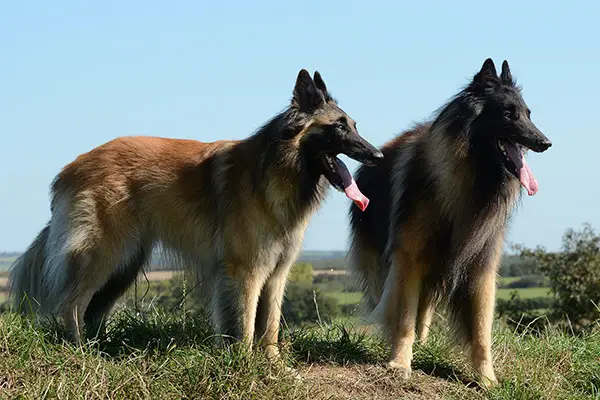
(269, 310)
(483, 289)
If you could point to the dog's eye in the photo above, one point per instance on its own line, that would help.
(340, 126)
(511, 112)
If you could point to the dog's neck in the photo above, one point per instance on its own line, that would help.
(459, 178)
(282, 176)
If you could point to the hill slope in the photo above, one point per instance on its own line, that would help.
(162, 356)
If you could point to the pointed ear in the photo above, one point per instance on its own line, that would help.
(505, 75)
(487, 72)
(320, 82)
(307, 96)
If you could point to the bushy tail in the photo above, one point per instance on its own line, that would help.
(369, 271)
(25, 276)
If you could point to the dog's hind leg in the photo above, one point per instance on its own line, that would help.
(235, 301)
(402, 305)
(78, 290)
(87, 270)
(104, 299)
(367, 270)
(424, 317)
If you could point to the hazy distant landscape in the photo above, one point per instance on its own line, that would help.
(323, 263)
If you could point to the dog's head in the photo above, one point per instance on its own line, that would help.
(503, 123)
(327, 131)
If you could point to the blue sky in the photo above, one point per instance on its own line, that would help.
(77, 74)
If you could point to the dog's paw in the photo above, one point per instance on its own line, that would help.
(401, 370)
(272, 354)
(488, 382)
(486, 377)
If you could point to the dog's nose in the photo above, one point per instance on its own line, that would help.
(546, 144)
(378, 155)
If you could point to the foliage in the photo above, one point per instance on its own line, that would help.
(180, 294)
(515, 265)
(524, 313)
(175, 294)
(304, 303)
(302, 273)
(574, 275)
(516, 303)
(330, 282)
(528, 281)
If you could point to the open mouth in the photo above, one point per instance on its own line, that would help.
(513, 156)
(341, 179)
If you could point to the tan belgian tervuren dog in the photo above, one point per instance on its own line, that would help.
(233, 211)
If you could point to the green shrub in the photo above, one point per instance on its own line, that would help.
(527, 282)
(574, 275)
(299, 305)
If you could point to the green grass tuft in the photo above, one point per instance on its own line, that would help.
(336, 344)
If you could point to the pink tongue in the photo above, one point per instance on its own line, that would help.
(527, 179)
(353, 193)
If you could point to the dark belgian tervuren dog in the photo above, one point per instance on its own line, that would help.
(235, 212)
(441, 200)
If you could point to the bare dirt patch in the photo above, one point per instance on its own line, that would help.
(378, 382)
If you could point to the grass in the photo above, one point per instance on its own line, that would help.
(346, 297)
(167, 356)
(524, 293)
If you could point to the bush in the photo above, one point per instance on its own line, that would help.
(299, 305)
(515, 306)
(330, 282)
(574, 275)
(302, 273)
(524, 313)
(527, 282)
(336, 283)
(516, 265)
(175, 294)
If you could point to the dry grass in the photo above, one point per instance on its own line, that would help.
(166, 356)
(378, 383)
